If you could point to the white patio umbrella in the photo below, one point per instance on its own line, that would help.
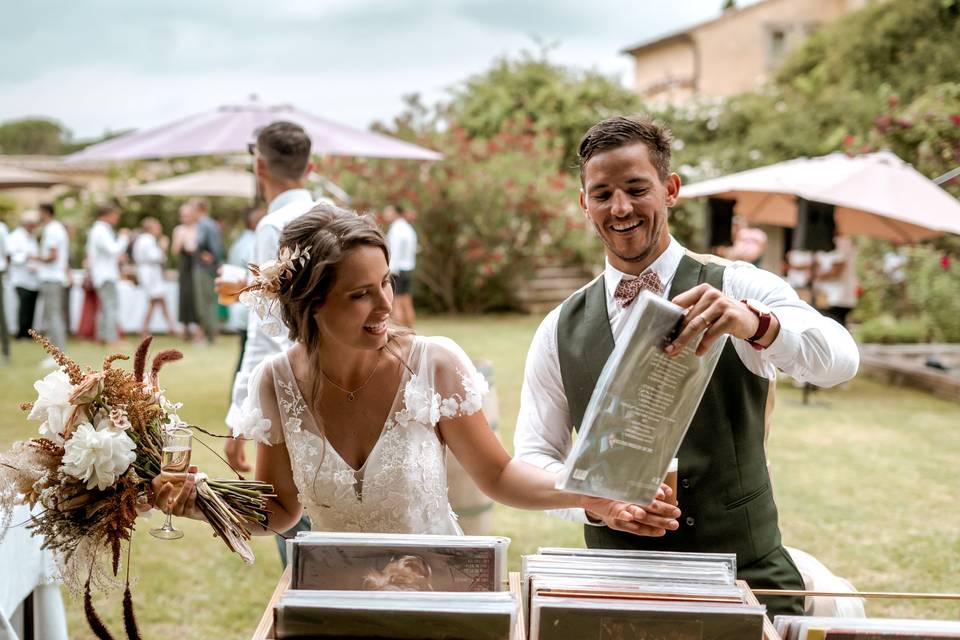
(212, 182)
(14, 178)
(228, 129)
(876, 194)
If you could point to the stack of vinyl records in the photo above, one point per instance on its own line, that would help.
(804, 628)
(426, 586)
(592, 594)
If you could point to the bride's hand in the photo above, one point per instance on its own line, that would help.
(176, 493)
(653, 520)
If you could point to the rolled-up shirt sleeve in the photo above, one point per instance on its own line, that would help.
(543, 435)
(810, 347)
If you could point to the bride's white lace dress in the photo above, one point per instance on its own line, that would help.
(402, 486)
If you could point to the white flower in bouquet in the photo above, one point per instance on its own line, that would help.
(52, 407)
(98, 456)
(253, 426)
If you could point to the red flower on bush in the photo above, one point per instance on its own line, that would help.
(945, 262)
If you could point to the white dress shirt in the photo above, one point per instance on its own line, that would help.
(103, 252)
(809, 347)
(402, 242)
(54, 238)
(21, 246)
(4, 234)
(266, 243)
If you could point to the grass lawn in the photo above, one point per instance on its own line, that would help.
(866, 478)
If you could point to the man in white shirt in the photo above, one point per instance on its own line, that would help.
(724, 490)
(281, 163)
(4, 328)
(402, 242)
(22, 248)
(104, 249)
(53, 273)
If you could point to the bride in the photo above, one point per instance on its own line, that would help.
(353, 421)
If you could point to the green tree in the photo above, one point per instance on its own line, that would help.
(30, 136)
(557, 102)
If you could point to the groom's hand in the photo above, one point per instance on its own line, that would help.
(710, 312)
(653, 520)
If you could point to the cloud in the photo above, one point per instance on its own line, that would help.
(115, 64)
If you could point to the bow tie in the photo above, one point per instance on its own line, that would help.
(628, 289)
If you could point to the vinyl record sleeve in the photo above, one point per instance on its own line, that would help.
(400, 615)
(640, 409)
(727, 559)
(578, 619)
(323, 561)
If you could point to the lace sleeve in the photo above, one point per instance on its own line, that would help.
(260, 413)
(453, 386)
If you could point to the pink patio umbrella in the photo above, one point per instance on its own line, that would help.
(14, 178)
(877, 195)
(212, 182)
(228, 130)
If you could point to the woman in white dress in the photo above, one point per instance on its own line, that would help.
(353, 421)
(150, 256)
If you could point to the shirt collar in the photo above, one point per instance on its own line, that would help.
(288, 196)
(665, 266)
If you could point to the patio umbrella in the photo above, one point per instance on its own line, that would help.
(213, 182)
(877, 195)
(228, 130)
(14, 178)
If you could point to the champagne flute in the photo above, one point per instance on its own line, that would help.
(175, 458)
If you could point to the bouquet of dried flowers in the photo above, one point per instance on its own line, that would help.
(100, 446)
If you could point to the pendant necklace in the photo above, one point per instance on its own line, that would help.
(352, 395)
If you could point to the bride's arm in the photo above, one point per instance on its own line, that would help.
(273, 467)
(525, 486)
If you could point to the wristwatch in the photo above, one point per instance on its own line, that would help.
(763, 315)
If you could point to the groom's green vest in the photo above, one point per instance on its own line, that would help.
(723, 486)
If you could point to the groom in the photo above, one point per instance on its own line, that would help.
(724, 489)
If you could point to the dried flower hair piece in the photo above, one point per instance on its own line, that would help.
(268, 278)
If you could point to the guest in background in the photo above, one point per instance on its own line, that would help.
(184, 247)
(207, 259)
(22, 248)
(241, 255)
(402, 240)
(4, 328)
(105, 249)
(836, 280)
(749, 243)
(150, 256)
(53, 272)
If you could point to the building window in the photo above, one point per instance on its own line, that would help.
(776, 46)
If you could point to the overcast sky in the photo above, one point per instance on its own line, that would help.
(114, 64)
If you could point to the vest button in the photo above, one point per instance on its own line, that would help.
(685, 483)
(690, 521)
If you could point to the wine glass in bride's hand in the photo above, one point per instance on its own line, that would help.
(175, 459)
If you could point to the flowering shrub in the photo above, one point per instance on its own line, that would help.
(484, 215)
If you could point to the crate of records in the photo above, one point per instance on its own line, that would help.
(396, 586)
(593, 594)
(816, 628)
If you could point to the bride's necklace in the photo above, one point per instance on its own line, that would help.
(352, 395)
